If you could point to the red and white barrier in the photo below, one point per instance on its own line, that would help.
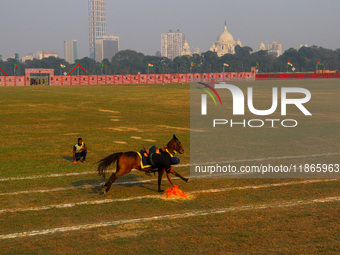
(161, 78)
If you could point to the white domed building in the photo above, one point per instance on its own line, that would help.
(225, 43)
(186, 49)
(262, 46)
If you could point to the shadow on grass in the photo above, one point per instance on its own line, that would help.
(68, 158)
(95, 186)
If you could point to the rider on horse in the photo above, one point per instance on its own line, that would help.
(160, 159)
(126, 161)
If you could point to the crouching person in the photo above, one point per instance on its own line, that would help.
(79, 151)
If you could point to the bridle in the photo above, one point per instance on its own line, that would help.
(176, 147)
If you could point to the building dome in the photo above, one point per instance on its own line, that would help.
(225, 43)
(262, 46)
(225, 37)
(186, 49)
(239, 42)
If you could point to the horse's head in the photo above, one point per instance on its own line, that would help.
(175, 145)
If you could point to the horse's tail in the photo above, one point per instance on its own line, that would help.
(106, 162)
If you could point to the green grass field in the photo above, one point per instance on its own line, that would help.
(48, 205)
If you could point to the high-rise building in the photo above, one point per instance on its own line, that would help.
(275, 49)
(172, 44)
(106, 47)
(71, 51)
(97, 25)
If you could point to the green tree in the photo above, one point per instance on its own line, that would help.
(129, 62)
(89, 65)
(210, 62)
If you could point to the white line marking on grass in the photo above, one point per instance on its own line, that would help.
(106, 201)
(44, 176)
(83, 187)
(74, 187)
(175, 166)
(194, 213)
(46, 190)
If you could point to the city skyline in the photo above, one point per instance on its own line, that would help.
(97, 23)
(139, 25)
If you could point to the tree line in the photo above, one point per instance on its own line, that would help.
(305, 59)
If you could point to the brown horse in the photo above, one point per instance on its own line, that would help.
(126, 161)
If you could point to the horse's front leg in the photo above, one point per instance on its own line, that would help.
(160, 175)
(178, 175)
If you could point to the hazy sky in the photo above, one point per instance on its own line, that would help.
(31, 25)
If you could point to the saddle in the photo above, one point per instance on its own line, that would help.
(146, 162)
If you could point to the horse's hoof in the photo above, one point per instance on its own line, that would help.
(161, 191)
(187, 180)
(104, 193)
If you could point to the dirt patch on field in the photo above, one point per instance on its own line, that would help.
(40, 105)
(136, 229)
(110, 111)
(180, 128)
(136, 137)
(120, 142)
(124, 129)
(128, 230)
(174, 197)
(149, 140)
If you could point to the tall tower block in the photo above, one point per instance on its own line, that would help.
(71, 51)
(97, 23)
